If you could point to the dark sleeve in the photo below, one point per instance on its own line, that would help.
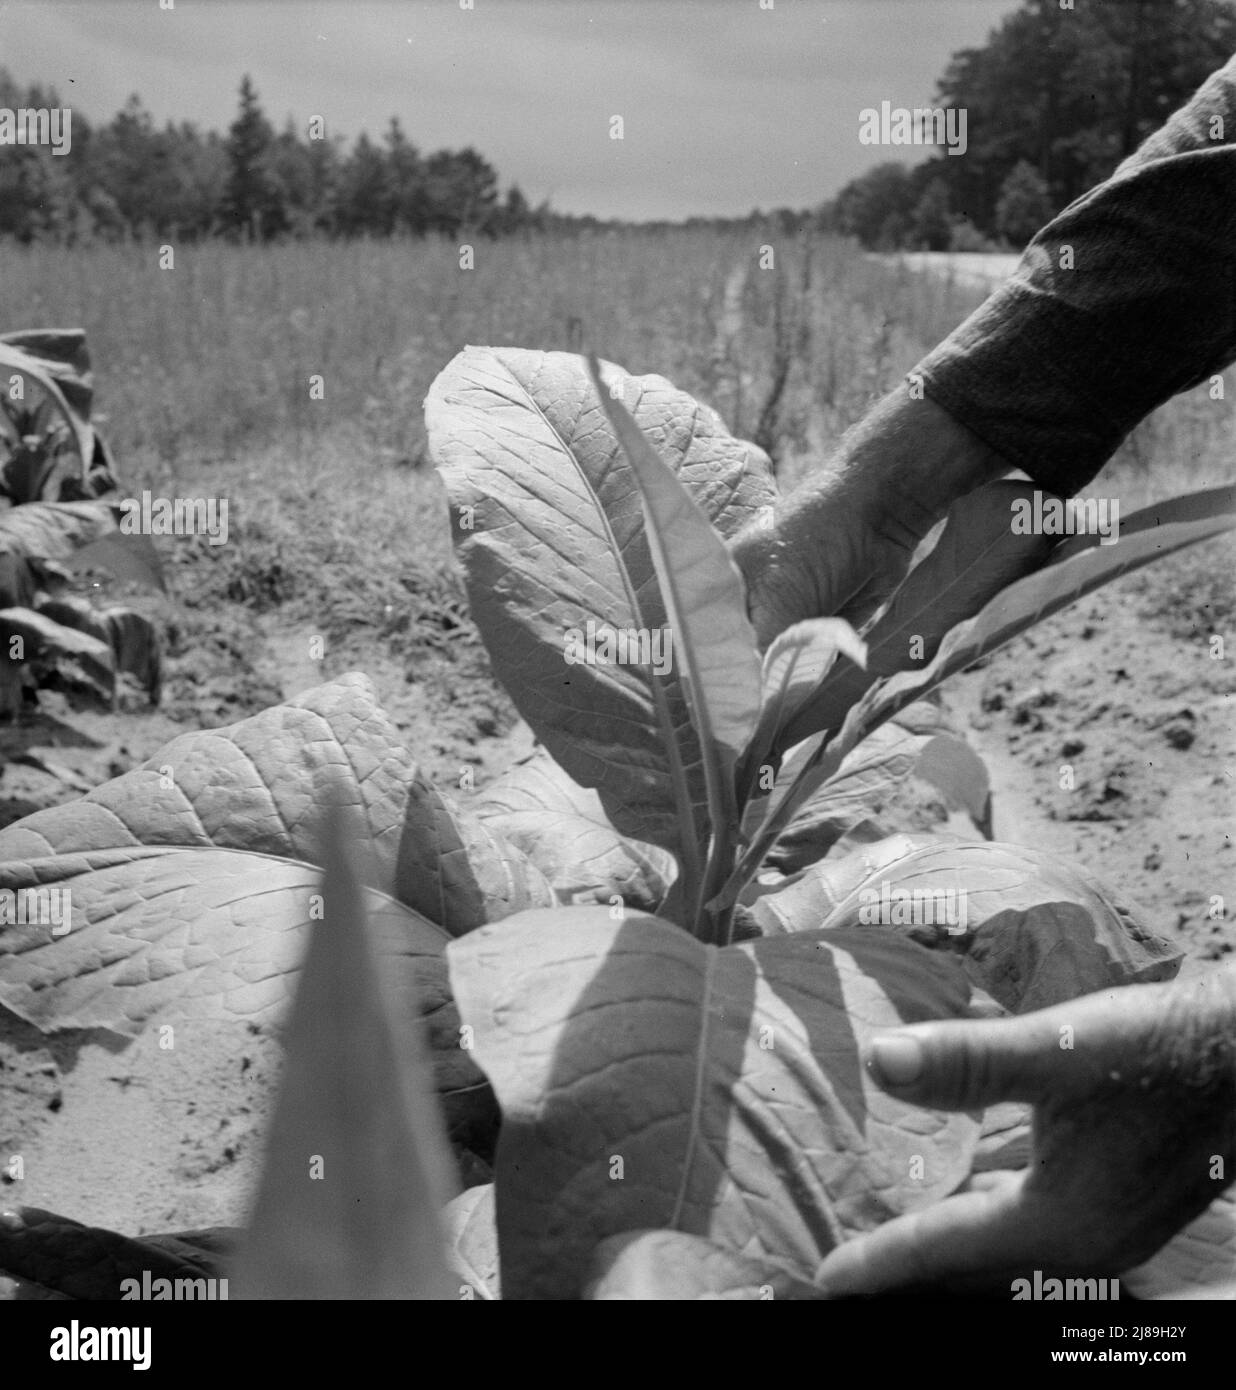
(1058, 365)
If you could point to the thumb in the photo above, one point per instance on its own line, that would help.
(969, 1064)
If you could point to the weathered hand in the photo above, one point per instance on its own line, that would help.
(842, 542)
(1134, 1134)
(834, 550)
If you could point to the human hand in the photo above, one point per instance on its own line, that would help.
(843, 541)
(835, 549)
(1134, 1134)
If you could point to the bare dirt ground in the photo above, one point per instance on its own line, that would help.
(1110, 735)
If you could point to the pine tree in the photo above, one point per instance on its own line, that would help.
(252, 201)
(930, 224)
(364, 191)
(407, 201)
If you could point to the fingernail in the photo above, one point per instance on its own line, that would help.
(897, 1059)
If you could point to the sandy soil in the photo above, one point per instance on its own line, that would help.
(1144, 721)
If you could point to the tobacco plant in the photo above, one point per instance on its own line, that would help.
(642, 959)
(57, 481)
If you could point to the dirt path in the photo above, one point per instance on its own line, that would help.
(1112, 742)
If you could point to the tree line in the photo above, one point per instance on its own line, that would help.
(131, 179)
(1055, 100)
(1062, 91)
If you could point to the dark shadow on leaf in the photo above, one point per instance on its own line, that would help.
(660, 1126)
(919, 984)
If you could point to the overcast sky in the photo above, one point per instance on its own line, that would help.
(726, 106)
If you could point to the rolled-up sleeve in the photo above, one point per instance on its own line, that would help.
(1125, 298)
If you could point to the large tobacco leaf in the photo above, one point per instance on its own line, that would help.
(820, 888)
(459, 871)
(133, 638)
(58, 362)
(650, 1081)
(194, 878)
(865, 783)
(701, 586)
(51, 531)
(181, 935)
(563, 829)
(715, 653)
(39, 637)
(257, 787)
(549, 524)
(365, 1224)
(794, 667)
(1037, 929)
(41, 537)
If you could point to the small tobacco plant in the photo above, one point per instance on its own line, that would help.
(57, 481)
(644, 957)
